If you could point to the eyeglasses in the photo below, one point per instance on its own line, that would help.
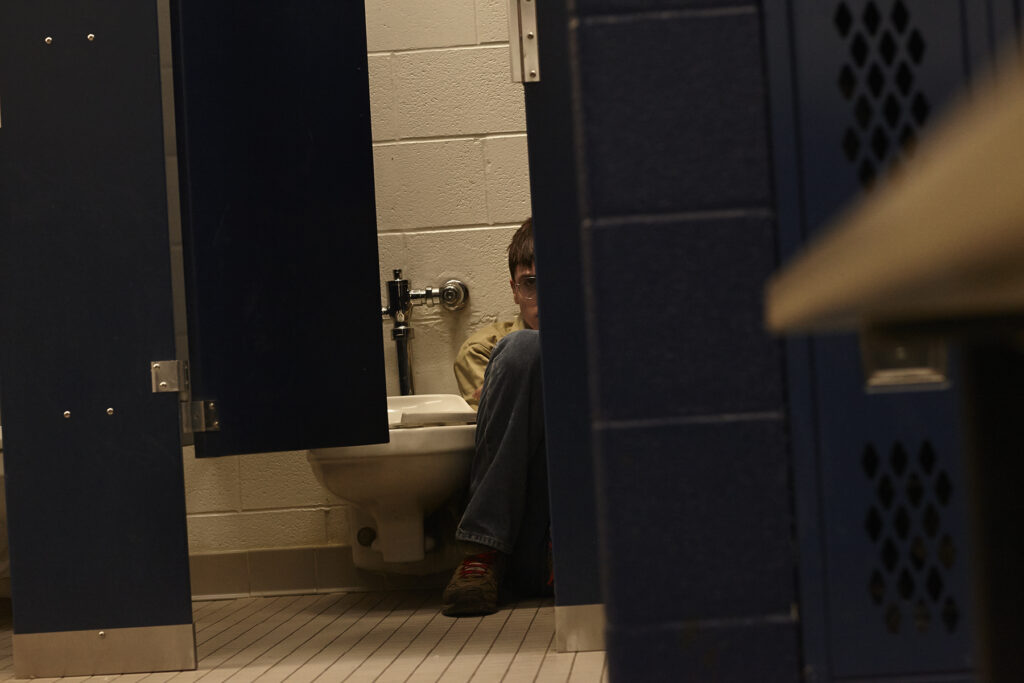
(527, 287)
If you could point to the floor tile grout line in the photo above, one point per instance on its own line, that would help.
(438, 644)
(288, 634)
(355, 605)
(508, 613)
(411, 640)
(340, 615)
(238, 605)
(284, 637)
(383, 596)
(455, 656)
(511, 613)
(536, 611)
(541, 667)
(375, 597)
(263, 620)
(259, 622)
(422, 601)
(258, 611)
(437, 615)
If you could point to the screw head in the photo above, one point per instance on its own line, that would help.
(529, 35)
(67, 413)
(163, 385)
(48, 40)
(91, 37)
(533, 74)
(110, 411)
(102, 634)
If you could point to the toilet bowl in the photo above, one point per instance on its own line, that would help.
(395, 485)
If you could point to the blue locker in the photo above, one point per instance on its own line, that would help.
(881, 493)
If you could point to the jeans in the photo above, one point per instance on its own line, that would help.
(508, 507)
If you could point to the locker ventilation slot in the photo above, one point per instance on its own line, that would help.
(878, 81)
(915, 553)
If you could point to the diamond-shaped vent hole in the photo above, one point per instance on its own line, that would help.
(943, 489)
(934, 584)
(915, 490)
(907, 138)
(876, 80)
(927, 458)
(931, 521)
(905, 585)
(871, 18)
(947, 552)
(950, 615)
(900, 17)
(863, 111)
(890, 555)
(851, 147)
(877, 587)
(918, 553)
(922, 617)
(859, 49)
(873, 524)
(892, 111)
(885, 490)
(892, 619)
(888, 47)
(915, 46)
(867, 179)
(898, 457)
(843, 19)
(847, 81)
(920, 109)
(904, 78)
(902, 523)
(870, 458)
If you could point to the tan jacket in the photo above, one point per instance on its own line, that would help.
(475, 353)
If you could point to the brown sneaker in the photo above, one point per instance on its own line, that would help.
(473, 589)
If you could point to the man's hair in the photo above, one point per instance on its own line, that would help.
(520, 250)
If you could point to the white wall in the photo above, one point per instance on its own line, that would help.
(452, 185)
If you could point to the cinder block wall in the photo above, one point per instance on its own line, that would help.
(452, 185)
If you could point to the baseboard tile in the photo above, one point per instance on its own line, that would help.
(579, 628)
(284, 571)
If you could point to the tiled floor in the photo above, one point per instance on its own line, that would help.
(394, 636)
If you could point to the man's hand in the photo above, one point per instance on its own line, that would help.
(476, 394)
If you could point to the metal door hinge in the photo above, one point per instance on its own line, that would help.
(199, 416)
(523, 41)
(172, 376)
(169, 376)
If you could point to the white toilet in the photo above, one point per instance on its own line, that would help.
(393, 486)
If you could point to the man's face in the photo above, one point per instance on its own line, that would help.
(524, 291)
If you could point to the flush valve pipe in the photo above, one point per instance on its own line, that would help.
(453, 295)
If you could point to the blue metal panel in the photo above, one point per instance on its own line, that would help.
(279, 224)
(883, 485)
(95, 488)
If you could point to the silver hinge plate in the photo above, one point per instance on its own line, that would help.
(199, 416)
(523, 40)
(169, 376)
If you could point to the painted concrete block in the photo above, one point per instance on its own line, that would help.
(457, 92)
(280, 480)
(508, 179)
(337, 525)
(410, 24)
(491, 21)
(382, 98)
(211, 484)
(430, 184)
(257, 530)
